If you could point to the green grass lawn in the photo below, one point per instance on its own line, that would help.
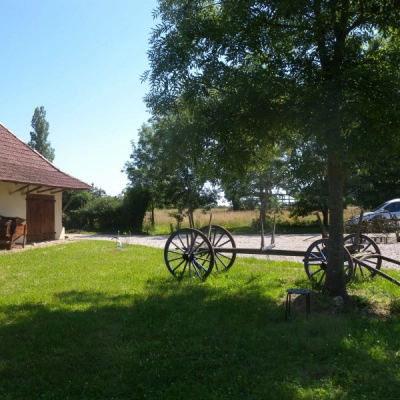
(87, 320)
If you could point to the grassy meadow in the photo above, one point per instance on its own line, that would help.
(87, 320)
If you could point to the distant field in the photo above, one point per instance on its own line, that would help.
(236, 221)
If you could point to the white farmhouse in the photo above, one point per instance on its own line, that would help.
(31, 188)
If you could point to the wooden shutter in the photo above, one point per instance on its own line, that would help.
(40, 217)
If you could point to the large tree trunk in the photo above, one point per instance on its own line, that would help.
(335, 283)
(152, 214)
(325, 216)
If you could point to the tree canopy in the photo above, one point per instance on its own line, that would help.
(253, 73)
(40, 134)
(170, 167)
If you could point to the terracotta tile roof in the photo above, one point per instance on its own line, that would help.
(19, 163)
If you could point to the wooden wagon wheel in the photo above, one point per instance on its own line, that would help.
(366, 246)
(221, 238)
(316, 262)
(189, 252)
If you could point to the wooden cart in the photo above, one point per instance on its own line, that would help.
(192, 252)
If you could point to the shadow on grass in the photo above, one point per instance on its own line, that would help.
(187, 341)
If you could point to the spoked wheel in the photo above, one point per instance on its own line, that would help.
(316, 262)
(365, 247)
(221, 238)
(189, 252)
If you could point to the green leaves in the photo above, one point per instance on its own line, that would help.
(40, 134)
(173, 164)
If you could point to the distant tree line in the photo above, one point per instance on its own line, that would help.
(95, 211)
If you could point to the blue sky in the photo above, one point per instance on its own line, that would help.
(82, 61)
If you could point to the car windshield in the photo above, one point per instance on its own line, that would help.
(382, 206)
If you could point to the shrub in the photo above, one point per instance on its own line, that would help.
(100, 214)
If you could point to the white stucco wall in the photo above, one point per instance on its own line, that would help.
(13, 204)
(60, 231)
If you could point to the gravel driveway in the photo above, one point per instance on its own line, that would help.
(282, 242)
(391, 249)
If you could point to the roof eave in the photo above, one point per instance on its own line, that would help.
(28, 187)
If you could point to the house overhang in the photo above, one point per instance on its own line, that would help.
(31, 188)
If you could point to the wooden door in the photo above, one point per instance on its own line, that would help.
(40, 217)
